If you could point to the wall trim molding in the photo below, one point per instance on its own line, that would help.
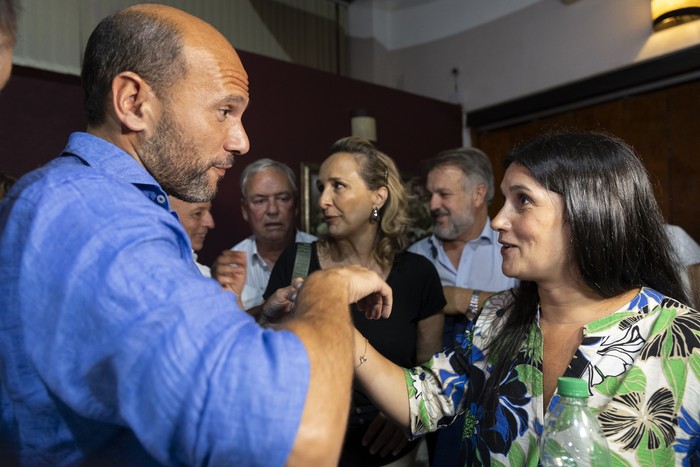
(649, 75)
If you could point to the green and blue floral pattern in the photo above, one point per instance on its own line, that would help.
(642, 364)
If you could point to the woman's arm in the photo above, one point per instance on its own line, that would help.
(385, 436)
(383, 381)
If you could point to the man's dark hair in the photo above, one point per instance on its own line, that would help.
(8, 18)
(133, 41)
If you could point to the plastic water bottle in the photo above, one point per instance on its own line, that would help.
(572, 435)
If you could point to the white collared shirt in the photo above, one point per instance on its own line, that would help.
(206, 272)
(258, 271)
(479, 266)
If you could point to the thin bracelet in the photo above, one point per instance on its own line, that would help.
(363, 357)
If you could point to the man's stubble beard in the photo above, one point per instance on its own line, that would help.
(173, 160)
(454, 229)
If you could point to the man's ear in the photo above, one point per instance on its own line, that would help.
(134, 102)
(244, 211)
(479, 194)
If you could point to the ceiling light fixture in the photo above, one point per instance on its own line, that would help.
(668, 13)
(363, 124)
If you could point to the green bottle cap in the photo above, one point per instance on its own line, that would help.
(572, 387)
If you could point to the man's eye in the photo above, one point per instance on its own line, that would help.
(224, 112)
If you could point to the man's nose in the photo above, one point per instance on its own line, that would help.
(237, 139)
(434, 202)
(272, 206)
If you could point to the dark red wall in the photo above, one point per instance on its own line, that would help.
(295, 114)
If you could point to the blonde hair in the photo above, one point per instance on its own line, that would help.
(378, 170)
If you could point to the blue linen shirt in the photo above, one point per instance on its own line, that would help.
(113, 346)
(479, 269)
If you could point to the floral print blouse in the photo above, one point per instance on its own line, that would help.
(642, 364)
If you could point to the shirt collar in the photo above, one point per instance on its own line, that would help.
(256, 256)
(487, 234)
(105, 156)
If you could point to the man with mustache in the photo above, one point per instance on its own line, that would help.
(466, 253)
(114, 349)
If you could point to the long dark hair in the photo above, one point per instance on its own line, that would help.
(618, 239)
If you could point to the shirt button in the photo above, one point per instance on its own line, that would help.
(160, 199)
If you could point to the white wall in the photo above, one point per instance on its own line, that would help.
(538, 45)
(52, 34)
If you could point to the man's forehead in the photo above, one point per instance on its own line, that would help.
(267, 194)
(224, 63)
(268, 177)
(447, 169)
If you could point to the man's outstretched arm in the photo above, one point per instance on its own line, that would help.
(322, 322)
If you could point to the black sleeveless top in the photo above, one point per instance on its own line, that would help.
(417, 294)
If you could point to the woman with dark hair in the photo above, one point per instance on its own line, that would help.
(600, 298)
(364, 204)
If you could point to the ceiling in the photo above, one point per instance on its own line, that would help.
(399, 24)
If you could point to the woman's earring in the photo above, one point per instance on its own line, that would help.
(374, 217)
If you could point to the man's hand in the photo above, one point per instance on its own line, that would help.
(229, 270)
(384, 436)
(281, 303)
(368, 290)
(365, 287)
(457, 300)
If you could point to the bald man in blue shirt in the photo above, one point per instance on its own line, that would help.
(114, 349)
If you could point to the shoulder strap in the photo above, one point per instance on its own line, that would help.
(302, 260)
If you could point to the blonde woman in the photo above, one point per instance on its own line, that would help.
(364, 204)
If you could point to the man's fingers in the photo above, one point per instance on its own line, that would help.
(397, 442)
(374, 427)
